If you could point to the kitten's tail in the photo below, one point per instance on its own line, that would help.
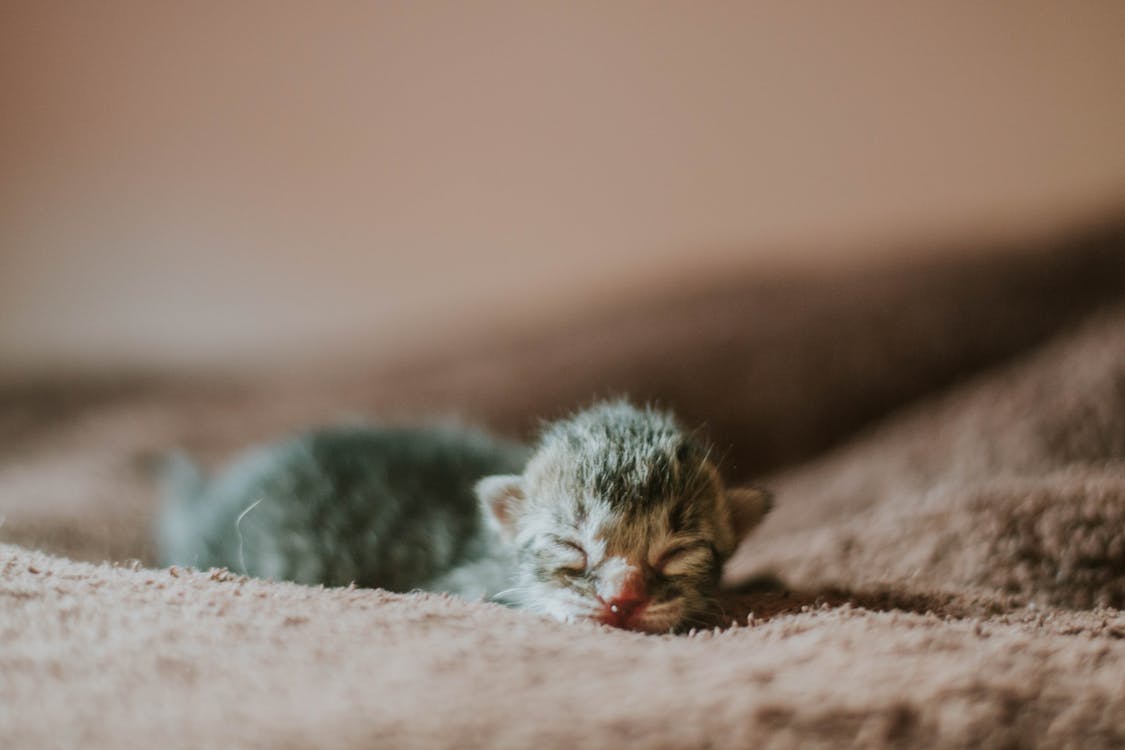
(181, 485)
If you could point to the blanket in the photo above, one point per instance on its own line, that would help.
(946, 561)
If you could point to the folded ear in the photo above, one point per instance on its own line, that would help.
(501, 498)
(747, 506)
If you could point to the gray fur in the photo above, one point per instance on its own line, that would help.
(381, 507)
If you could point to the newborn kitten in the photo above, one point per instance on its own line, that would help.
(618, 516)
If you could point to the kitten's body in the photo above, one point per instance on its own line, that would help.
(619, 516)
(391, 508)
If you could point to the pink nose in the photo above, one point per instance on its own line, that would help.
(622, 610)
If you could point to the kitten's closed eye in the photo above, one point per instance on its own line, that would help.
(679, 557)
(572, 556)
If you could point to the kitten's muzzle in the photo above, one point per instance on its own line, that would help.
(622, 594)
(625, 608)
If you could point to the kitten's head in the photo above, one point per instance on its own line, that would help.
(620, 517)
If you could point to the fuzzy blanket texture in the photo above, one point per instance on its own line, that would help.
(946, 439)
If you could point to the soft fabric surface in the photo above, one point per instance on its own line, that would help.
(955, 574)
(108, 657)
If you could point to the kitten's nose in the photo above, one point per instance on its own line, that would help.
(622, 594)
(621, 610)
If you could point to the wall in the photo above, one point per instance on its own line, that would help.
(214, 185)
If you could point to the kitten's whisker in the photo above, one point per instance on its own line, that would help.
(238, 530)
(505, 592)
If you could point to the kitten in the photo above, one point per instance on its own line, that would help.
(617, 516)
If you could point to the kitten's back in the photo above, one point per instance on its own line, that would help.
(380, 506)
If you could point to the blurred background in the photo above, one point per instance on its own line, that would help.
(218, 186)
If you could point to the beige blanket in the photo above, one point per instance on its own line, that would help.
(956, 574)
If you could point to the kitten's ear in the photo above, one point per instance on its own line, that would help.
(501, 498)
(747, 506)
